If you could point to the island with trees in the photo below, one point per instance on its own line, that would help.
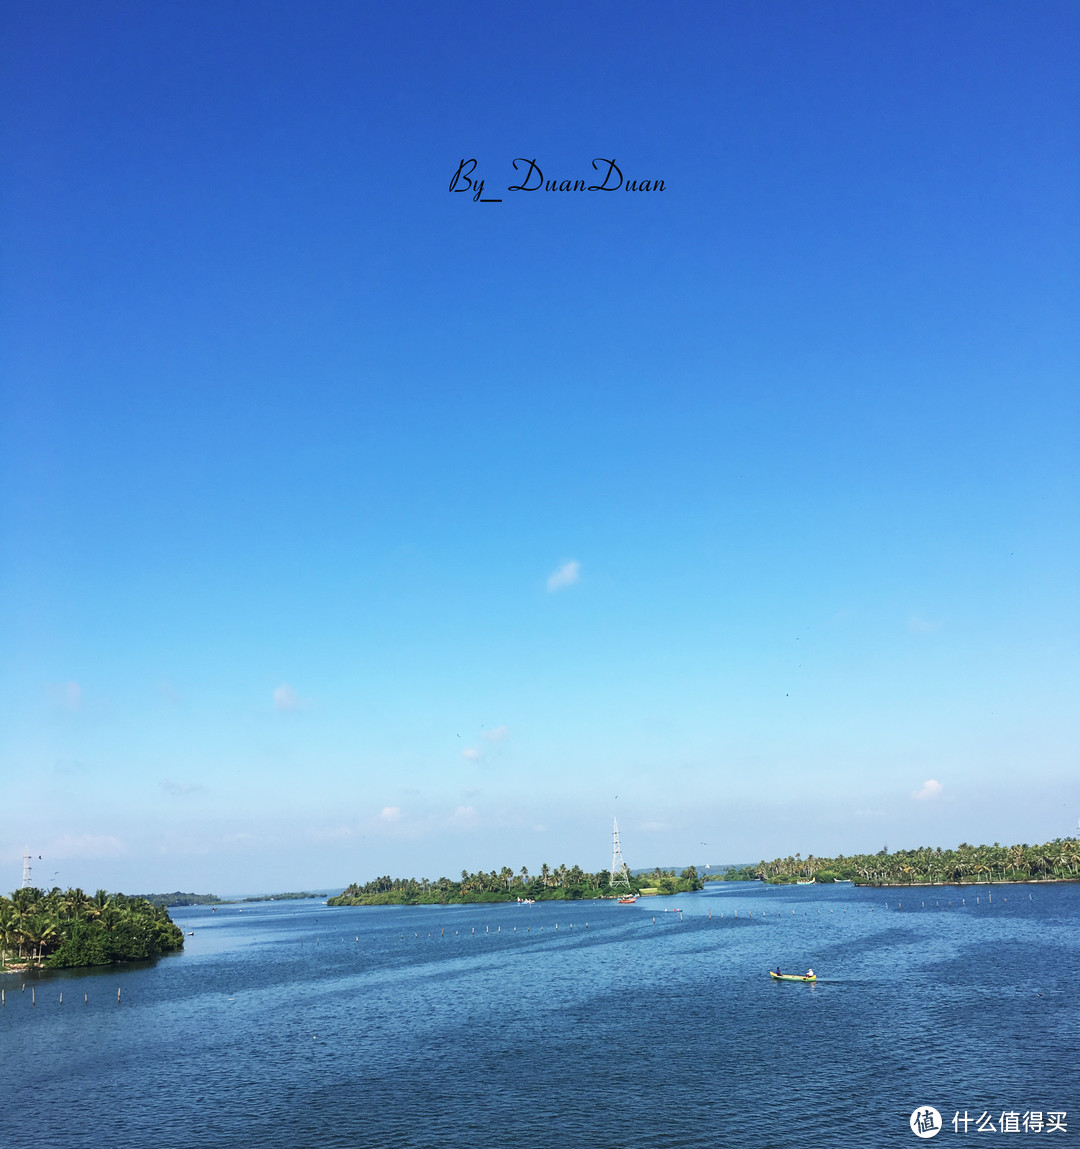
(560, 884)
(64, 928)
(179, 899)
(176, 898)
(296, 895)
(1056, 861)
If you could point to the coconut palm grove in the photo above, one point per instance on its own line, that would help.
(1053, 861)
(926, 865)
(72, 928)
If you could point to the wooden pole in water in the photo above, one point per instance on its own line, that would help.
(85, 998)
(61, 999)
(33, 995)
(117, 995)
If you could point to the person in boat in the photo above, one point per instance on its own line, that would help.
(778, 973)
(809, 973)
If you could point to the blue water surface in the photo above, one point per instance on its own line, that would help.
(579, 1024)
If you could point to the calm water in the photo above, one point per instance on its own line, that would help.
(293, 1024)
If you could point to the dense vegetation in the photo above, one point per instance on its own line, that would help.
(561, 884)
(281, 897)
(176, 898)
(179, 899)
(1056, 860)
(71, 928)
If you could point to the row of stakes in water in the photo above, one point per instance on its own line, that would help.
(33, 995)
(750, 914)
(487, 930)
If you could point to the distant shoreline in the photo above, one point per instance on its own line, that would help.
(959, 885)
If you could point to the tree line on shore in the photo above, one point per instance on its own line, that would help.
(562, 883)
(1056, 860)
(72, 928)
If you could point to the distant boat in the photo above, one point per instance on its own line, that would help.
(792, 976)
(526, 901)
(843, 882)
(629, 900)
(808, 882)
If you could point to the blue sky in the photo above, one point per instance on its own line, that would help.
(351, 526)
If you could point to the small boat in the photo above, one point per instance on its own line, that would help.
(808, 882)
(526, 901)
(792, 976)
(843, 882)
(629, 900)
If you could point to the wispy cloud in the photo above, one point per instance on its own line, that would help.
(285, 698)
(655, 827)
(70, 766)
(391, 814)
(87, 846)
(180, 788)
(566, 575)
(498, 734)
(168, 692)
(930, 789)
(472, 753)
(331, 833)
(464, 818)
(919, 625)
(67, 695)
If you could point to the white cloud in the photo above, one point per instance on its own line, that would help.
(285, 698)
(930, 789)
(655, 827)
(566, 575)
(471, 753)
(498, 734)
(390, 813)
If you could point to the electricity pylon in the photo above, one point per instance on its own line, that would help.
(620, 873)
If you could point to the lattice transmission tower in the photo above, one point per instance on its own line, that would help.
(620, 872)
(27, 880)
